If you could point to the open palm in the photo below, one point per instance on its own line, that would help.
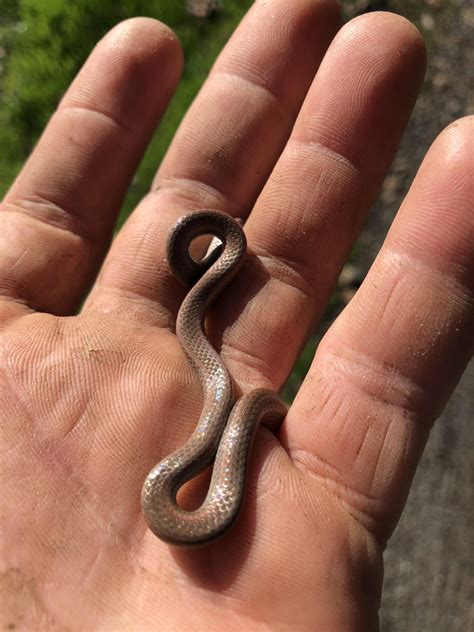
(90, 402)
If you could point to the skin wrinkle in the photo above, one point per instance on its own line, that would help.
(364, 508)
(459, 267)
(18, 264)
(430, 333)
(248, 361)
(378, 380)
(289, 272)
(140, 306)
(364, 440)
(281, 101)
(451, 274)
(79, 420)
(255, 309)
(93, 111)
(334, 156)
(46, 211)
(18, 392)
(195, 191)
(380, 437)
(21, 236)
(399, 437)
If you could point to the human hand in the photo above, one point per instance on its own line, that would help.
(91, 402)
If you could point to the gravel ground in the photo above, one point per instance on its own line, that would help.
(429, 578)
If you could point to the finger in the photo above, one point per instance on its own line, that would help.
(57, 218)
(386, 368)
(310, 213)
(224, 149)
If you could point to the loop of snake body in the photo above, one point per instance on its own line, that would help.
(226, 428)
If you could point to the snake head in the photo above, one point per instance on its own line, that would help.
(227, 233)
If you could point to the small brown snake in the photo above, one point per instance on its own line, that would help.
(226, 428)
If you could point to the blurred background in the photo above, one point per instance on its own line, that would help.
(429, 581)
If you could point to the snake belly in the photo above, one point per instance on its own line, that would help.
(226, 429)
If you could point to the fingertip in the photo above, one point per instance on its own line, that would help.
(454, 145)
(446, 172)
(145, 39)
(383, 21)
(391, 34)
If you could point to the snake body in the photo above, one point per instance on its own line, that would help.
(226, 428)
